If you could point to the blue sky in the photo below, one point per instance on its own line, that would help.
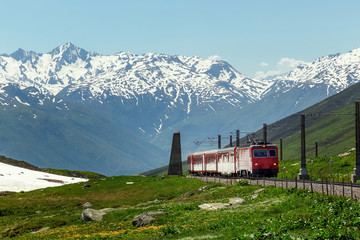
(253, 36)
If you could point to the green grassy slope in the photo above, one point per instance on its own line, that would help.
(334, 132)
(321, 168)
(331, 123)
(275, 214)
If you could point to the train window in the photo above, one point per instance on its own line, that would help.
(272, 153)
(260, 153)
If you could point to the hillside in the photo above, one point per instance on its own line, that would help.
(331, 123)
(164, 170)
(50, 136)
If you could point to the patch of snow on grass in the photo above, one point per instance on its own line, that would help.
(17, 179)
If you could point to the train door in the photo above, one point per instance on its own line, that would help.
(198, 163)
(231, 163)
(210, 161)
(244, 161)
(223, 161)
(190, 164)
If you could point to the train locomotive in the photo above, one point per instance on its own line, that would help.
(250, 161)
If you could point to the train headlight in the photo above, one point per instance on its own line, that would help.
(274, 163)
(256, 164)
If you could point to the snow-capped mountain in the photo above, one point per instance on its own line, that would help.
(140, 100)
(311, 83)
(70, 68)
(333, 72)
(166, 84)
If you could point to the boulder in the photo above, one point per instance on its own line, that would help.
(41, 230)
(213, 206)
(94, 215)
(236, 201)
(146, 218)
(87, 205)
(254, 196)
(259, 190)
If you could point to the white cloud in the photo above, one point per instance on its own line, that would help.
(288, 64)
(264, 64)
(215, 57)
(283, 66)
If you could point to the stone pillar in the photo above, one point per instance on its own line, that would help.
(175, 164)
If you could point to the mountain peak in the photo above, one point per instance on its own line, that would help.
(22, 55)
(69, 53)
(66, 46)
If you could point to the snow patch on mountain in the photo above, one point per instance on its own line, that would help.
(69, 68)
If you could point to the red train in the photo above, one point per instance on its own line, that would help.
(255, 160)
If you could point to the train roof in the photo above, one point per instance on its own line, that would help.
(230, 149)
(206, 152)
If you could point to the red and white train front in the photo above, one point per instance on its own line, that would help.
(255, 160)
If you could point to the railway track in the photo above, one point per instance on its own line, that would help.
(344, 189)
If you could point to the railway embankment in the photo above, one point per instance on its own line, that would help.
(343, 189)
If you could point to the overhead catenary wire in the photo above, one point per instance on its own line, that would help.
(288, 126)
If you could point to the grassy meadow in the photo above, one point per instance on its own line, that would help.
(276, 214)
(321, 168)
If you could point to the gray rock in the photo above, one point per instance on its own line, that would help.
(259, 190)
(254, 196)
(94, 215)
(41, 230)
(236, 201)
(213, 206)
(87, 205)
(146, 218)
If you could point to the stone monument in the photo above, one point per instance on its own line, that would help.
(175, 164)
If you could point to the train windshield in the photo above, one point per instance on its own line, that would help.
(272, 153)
(260, 153)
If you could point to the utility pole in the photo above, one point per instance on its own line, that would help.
(265, 133)
(281, 150)
(237, 138)
(230, 140)
(316, 149)
(219, 141)
(356, 175)
(303, 174)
